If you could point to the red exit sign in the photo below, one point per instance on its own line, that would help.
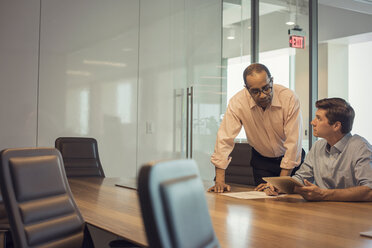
(296, 41)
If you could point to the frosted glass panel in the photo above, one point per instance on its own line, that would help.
(88, 77)
(19, 29)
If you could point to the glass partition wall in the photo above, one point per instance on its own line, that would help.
(154, 83)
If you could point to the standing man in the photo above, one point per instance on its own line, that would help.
(271, 117)
(339, 166)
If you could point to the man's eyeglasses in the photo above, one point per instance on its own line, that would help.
(266, 89)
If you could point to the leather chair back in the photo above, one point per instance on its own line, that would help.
(80, 156)
(38, 200)
(173, 206)
(5, 237)
(240, 169)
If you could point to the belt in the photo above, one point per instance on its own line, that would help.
(268, 158)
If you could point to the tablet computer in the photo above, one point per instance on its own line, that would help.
(285, 184)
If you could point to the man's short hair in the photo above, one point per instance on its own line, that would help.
(256, 67)
(338, 110)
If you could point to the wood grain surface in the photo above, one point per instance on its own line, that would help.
(287, 221)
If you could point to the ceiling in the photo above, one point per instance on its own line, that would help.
(361, 6)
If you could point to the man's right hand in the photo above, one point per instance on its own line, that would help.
(219, 185)
(219, 188)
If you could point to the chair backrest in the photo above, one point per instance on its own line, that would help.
(240, 170)
(80, 156)
(173, 206)
(3, 215)
(38, 200)
(5, 237)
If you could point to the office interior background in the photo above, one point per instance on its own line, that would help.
(151, 79)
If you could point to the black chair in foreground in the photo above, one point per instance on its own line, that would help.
(5, 236)
(38, 200)
(173, 205)
(80, 156)
(39, 203)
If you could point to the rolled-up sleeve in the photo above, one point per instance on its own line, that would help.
(293, 133)
(229, 129)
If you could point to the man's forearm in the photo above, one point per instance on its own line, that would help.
(359, 193)
(220, 175)
(285, 172)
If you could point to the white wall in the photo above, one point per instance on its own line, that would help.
(338, 57)
(360, 87)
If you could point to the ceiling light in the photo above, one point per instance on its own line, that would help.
(78, 73)
(291, 19)
(104, 63)
(231, 35)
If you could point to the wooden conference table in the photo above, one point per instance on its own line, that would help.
(287, 221)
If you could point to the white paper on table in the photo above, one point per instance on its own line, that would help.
(249, 195)
(366, 234)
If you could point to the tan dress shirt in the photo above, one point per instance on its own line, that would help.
(273, 132)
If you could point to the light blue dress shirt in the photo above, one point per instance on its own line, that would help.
(346, 164)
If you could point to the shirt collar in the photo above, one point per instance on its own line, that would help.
(340, 145)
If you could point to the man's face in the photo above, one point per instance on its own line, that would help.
(321, 126)
(259, 86)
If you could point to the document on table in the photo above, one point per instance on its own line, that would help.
(366, 234)
(248, 195)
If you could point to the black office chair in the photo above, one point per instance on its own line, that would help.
(5, 236)
(80, 156)
(38, 200)
(173, 206)
(240, 170)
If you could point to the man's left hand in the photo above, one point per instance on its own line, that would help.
(310, 192)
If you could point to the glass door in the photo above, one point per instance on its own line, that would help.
(203, 91)
(236, 49)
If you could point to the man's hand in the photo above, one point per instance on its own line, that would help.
(219, 188)
(219, 185)
(310, 192)
(267, 188)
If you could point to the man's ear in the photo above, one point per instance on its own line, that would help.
(337, 126)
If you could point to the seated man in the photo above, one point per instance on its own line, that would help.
(339, 166)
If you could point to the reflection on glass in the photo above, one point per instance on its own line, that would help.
(77, 111)
(84, 112)
(124, 102)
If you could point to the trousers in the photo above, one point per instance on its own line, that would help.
(268, 167)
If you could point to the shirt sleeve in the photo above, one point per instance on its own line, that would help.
(293, 133)
(229, 129)
(306, 170)
(363, 165)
